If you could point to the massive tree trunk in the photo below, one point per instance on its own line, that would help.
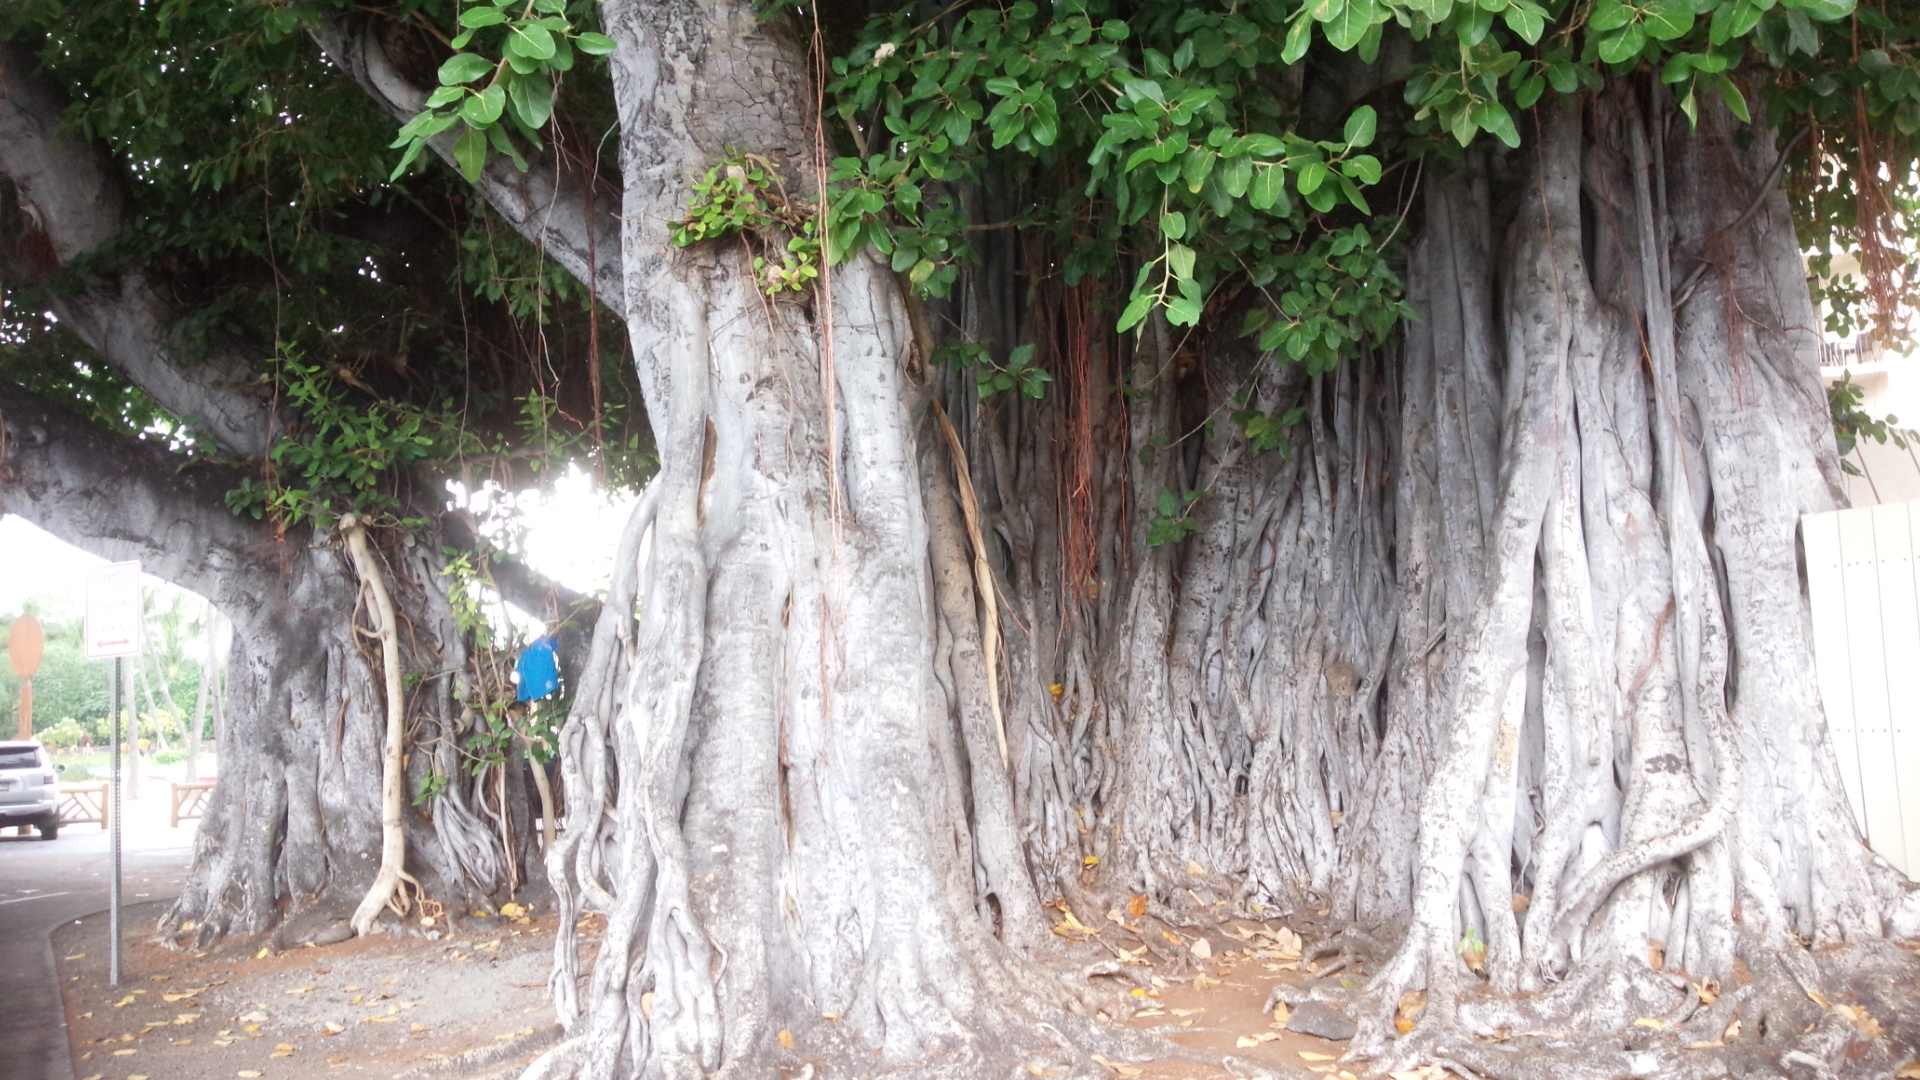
(295, 822)
(1633, 753)
(1510, 654)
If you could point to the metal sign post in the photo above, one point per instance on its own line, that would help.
(113, 632)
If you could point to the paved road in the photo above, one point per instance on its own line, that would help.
(45, 883)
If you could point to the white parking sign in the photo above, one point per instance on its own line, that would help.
(113, 611)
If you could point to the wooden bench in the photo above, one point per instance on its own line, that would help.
(80, 803)
(189, 799)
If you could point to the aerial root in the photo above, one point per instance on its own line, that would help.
(1847, 1010)
(1349, 948)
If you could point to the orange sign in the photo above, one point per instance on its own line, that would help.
(25, 643)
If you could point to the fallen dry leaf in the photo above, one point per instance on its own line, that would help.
(1136, 905)
(1201, 948)
(1309, 1055)
(417, 1028)
(786, 1038)
(1187, 1012)
(248, 1073)
(1863, 1020)
(1424, 1072)
(1196, 869)
(1649, 1022)
(1123, 1070)
(124, 1002)
(646, 1005)
(1256, 1040)
(1909, 1071)
(1281, 1013)
(124, 1053)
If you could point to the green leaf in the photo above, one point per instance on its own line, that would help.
(1365, 167)
(1136, 310)
(1609, 15)
(1180, 261)
(484, 108)
(1529, 91)
(1183, 311)
(594, 44)
(1235, 174)
(1526, 20)
(1736, 101)
(1312, 175)
(532, 101)
(1268, 190)
(476, 17)
(1045, 125)
(1493, 118)
(1624, 44)
(1173, 225)
(1299, 36)
(1003, 86)
(1732, 21)
(1360, 127)
(1350, 22)
(1666, 20)
(1198, 164)
(413, 152)
(470, 152)
(464, 68)
(534, 41)
(1801, 36)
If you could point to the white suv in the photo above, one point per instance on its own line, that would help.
(29, 788)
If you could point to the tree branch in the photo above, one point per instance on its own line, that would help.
(126, 498)
(76, 202)
(559, 203)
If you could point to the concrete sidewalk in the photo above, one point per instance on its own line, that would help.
(44, 883)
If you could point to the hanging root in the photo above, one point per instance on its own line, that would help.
(390, 885)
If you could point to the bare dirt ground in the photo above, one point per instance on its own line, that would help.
(471, 1004)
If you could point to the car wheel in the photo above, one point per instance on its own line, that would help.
(50, 830)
